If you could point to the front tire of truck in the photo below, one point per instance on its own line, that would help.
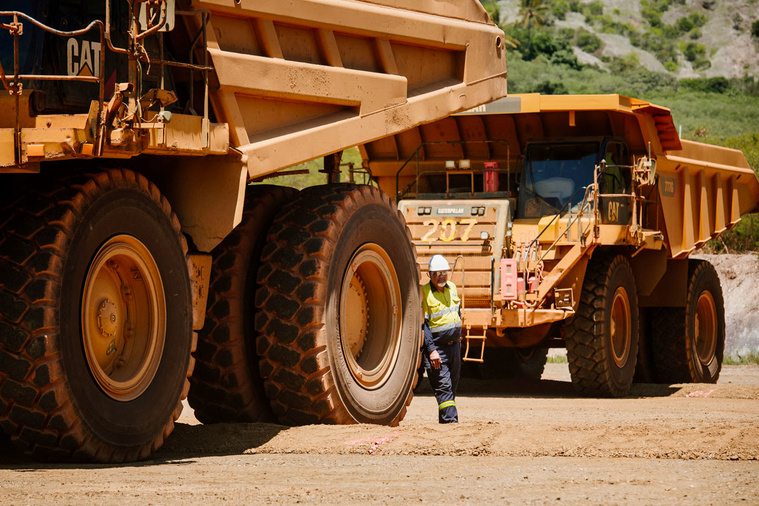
(96, 349)
(689, 342)
(602, 337)
(339, 309)
(226, 385)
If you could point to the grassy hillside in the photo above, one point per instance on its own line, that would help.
(684, 38)
(700, 58)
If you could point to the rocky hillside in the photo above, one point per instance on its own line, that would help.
(685, 38)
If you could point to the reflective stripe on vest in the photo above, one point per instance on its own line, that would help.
(446, 404)
(444, 312)
(445, 327)
(441, 309)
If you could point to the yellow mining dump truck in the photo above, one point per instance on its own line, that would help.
(571, 219)
(128, 134)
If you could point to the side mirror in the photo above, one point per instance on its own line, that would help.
(645, 171)
(153, 15)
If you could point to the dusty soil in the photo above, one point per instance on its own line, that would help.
(517, 443)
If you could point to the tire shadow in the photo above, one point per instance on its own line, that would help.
(186, 443)
(544, 388)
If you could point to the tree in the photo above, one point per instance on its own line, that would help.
(493, 10)
(532, 12)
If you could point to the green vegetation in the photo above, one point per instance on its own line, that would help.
(557, 359)
(313, 177)
(750, 359)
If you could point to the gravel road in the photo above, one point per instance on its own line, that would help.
(516, 443)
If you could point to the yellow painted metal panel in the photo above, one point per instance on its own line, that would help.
(352, 70)
(7, 147)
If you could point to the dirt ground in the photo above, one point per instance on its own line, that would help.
(516, 443)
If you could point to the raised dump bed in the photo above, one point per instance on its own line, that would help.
(132, 247)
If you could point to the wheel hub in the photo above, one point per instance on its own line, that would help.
(370, 319)
(123, 318)
(358, 321)
(706, 328)
(620, 327)
(107, 318)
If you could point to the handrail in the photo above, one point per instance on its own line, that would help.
(558, 215)
(462, 295)
(594, 187)
(572, 221)
(415, 155)
(136, 53)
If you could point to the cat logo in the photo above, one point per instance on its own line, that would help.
(613, 211)
(82, 58)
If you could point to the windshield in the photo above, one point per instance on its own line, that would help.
(554, 174)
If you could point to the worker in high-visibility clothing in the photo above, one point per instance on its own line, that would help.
(442, 338)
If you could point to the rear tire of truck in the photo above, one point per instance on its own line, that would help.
(602, 337)
(689, 342)
(97, 321)
(339, 309)
(226, 385)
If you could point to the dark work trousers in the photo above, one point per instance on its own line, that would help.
(445, 380)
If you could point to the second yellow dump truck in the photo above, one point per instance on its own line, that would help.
(137, 266)
(571, 220)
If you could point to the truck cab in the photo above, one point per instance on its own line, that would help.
(556, 173)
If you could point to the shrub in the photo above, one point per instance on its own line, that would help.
(698, 19)
(707, 85)
(596, 8)
(693, 51)
(559, 9)
(566, 34)
(737, 21)
(587, 41)
(695, 34)
(629, 62)
(652, 16)
(685, 24)
(551, 88)
(565, 57)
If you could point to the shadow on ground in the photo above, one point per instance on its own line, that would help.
(185, 443)
(538, 388)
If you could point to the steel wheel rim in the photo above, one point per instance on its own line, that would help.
(706, 328)
(620, 327)
(370, 316)
(123, 318)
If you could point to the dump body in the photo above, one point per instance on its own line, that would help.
(127, 141)
(276, 87)
(552, 185)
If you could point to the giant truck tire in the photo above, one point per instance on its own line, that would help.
(96, 324)
(339, 309)
(688, 343)
(602, 337)
(226, 385)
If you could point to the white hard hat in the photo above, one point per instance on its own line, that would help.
(438, 263)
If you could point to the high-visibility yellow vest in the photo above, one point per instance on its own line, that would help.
(441, 308)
